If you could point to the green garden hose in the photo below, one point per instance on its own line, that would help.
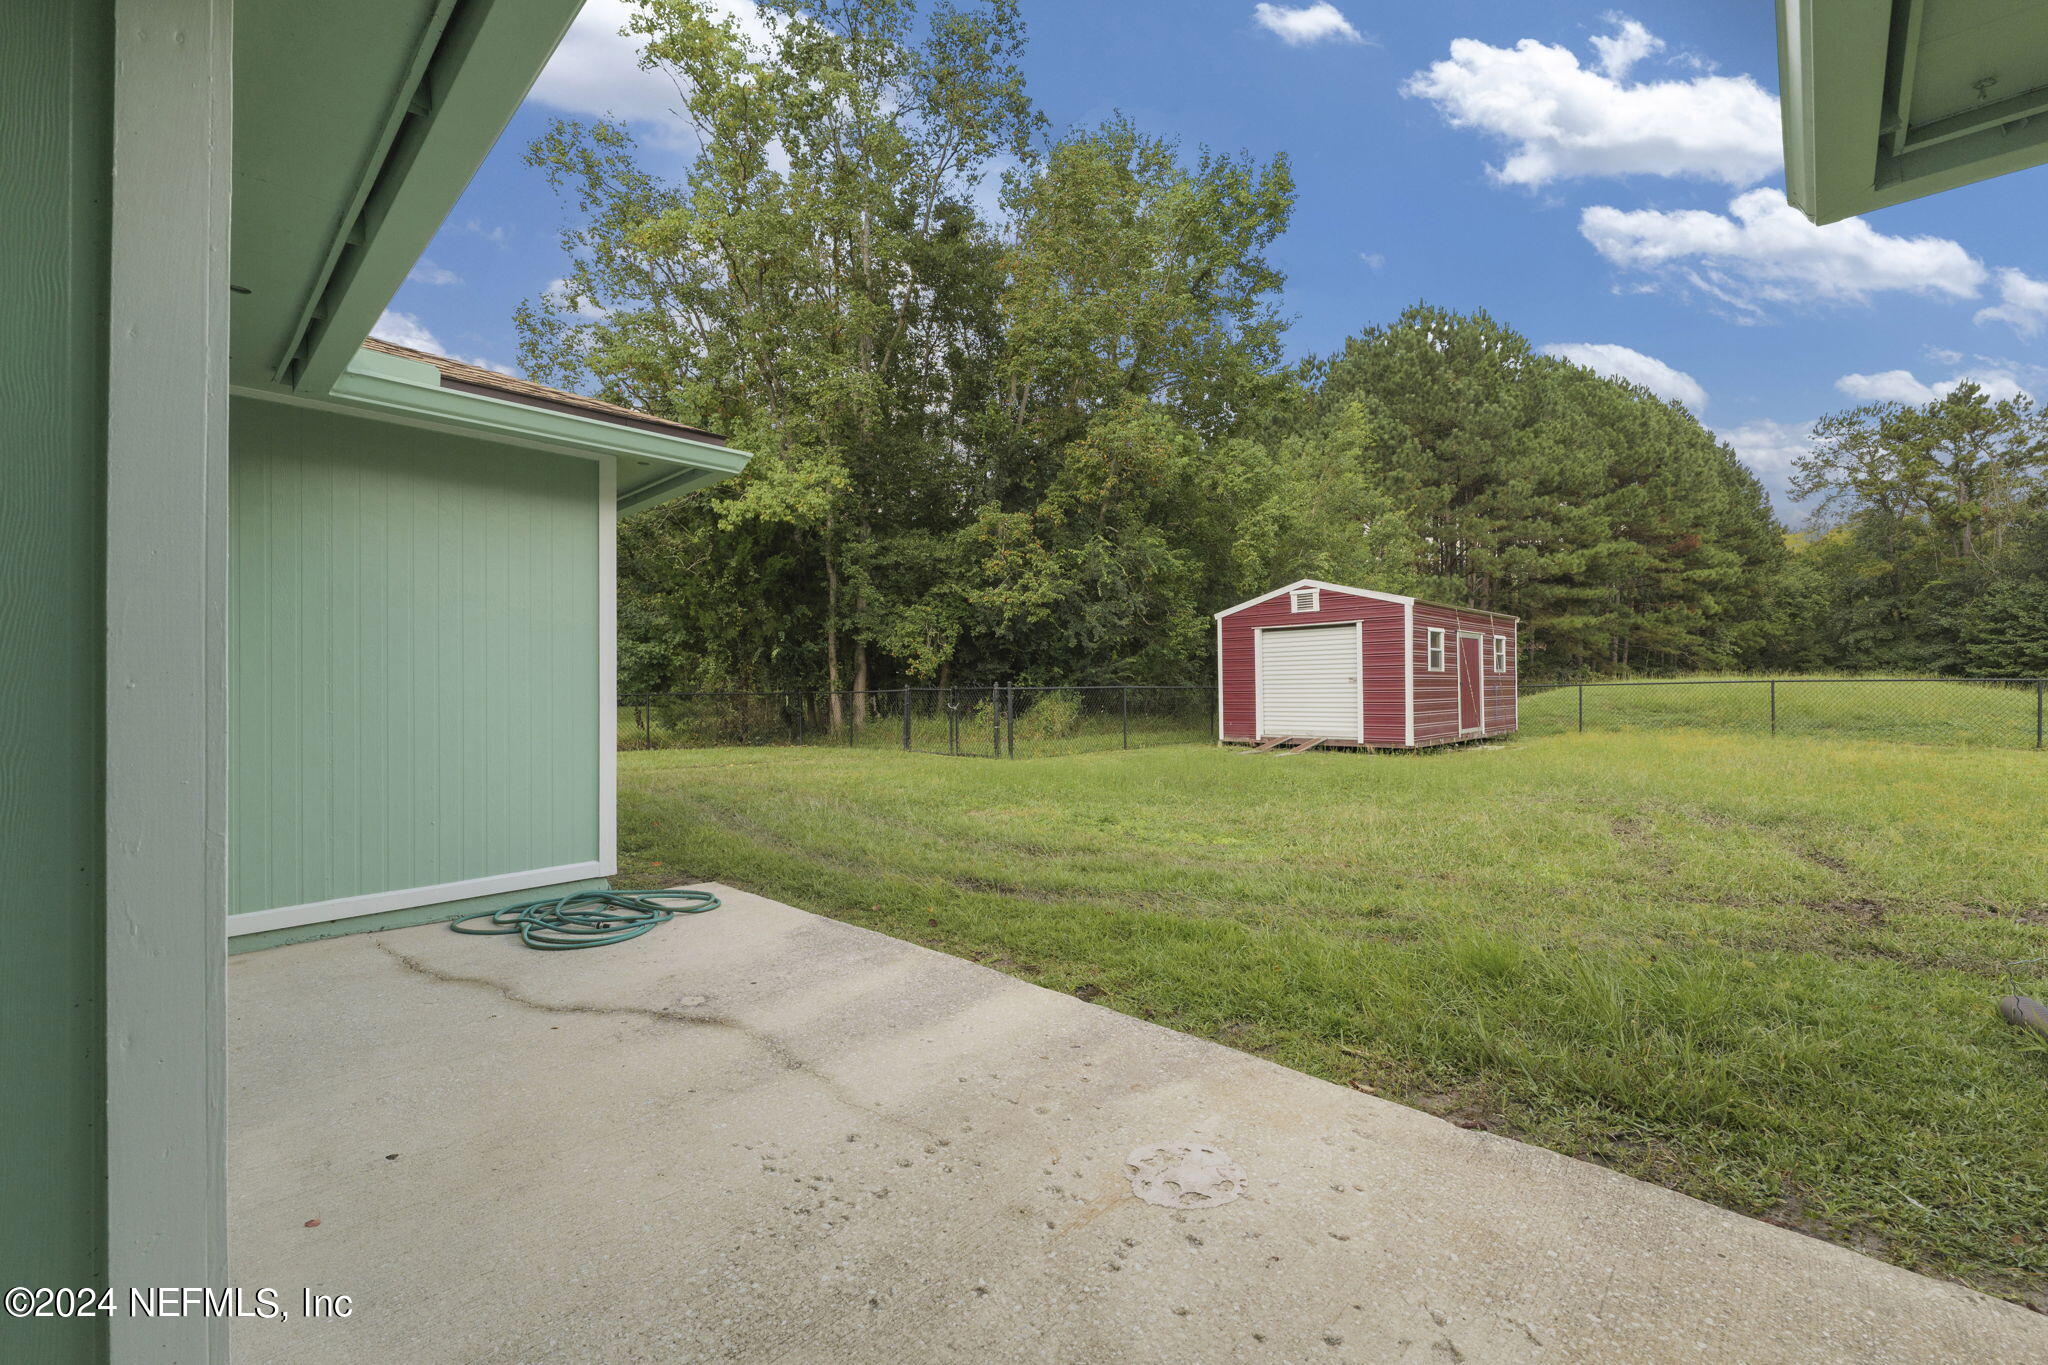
(589, 919)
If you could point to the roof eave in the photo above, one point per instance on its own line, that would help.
(1315, 583)
(654, 467)
(1845, 77)
(454, 102)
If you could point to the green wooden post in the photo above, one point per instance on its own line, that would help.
(1127, 717)
(1774, 706)
(2038, 685)
(1582, 708)
(906, 718)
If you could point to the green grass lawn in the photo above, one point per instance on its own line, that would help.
(1993, 715)
(1761, 972)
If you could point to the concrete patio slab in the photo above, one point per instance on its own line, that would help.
(758, 1134)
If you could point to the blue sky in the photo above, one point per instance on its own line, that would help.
(1604, 181)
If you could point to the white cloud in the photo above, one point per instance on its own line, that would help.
(1620, 362)
(406, 329)
(596, 72)
(1900, 386)
(1771, 450)
(1766, 251)
(494, 233)
(1320, 22)
(2023, 303)
(1565, 120)
(1373, 259)
(1628, 44)
(588, 309)
(426, 272)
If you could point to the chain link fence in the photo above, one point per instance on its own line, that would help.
(2000, 713)
(997, 721)
(1002, 721)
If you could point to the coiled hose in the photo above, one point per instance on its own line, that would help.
(588, 919)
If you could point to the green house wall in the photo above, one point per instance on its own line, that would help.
(55, 93)
(414, 652)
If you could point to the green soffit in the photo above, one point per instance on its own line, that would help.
(1887, 102)
(357, 126)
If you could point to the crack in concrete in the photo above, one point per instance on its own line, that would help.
(783, 1055)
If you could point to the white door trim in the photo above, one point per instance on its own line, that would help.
(1458, 649)
(1258, 684)
(1259, 675)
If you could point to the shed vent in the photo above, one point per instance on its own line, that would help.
(1308, 599)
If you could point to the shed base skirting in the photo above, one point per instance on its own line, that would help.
(1376, 747)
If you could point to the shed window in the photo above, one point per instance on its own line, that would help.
(1436, 649)
(1500, 653)
(1308, 599)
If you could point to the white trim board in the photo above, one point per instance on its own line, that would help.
(608, 664)
(165, 688)
(377, 902)
(1408, 669)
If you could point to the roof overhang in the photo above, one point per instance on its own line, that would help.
(1370, 593)
(357, 126)
(653, 467)
(1315, 583)
(1887, 102)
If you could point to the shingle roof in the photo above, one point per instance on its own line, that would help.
(476, 379)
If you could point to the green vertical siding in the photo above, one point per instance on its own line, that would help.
(55, 75)
(414, 658)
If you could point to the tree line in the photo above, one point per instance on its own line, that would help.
(1020, 409)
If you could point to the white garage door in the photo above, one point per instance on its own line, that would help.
(1308, 680)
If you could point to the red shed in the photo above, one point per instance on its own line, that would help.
(1350, 666)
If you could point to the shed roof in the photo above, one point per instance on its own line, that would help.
(466, 378)
(1372, 593)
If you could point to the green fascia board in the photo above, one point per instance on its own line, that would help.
(454, 105)
(1845, 73)
(653, 467)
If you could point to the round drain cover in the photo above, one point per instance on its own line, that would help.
(1184, 1175)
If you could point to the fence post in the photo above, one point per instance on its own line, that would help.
(995, 706)
(1582, 708)
(2038, 685)
(647, 726)
(800, 699)
(906, 718)
(1127, 717)
(1774, 706)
